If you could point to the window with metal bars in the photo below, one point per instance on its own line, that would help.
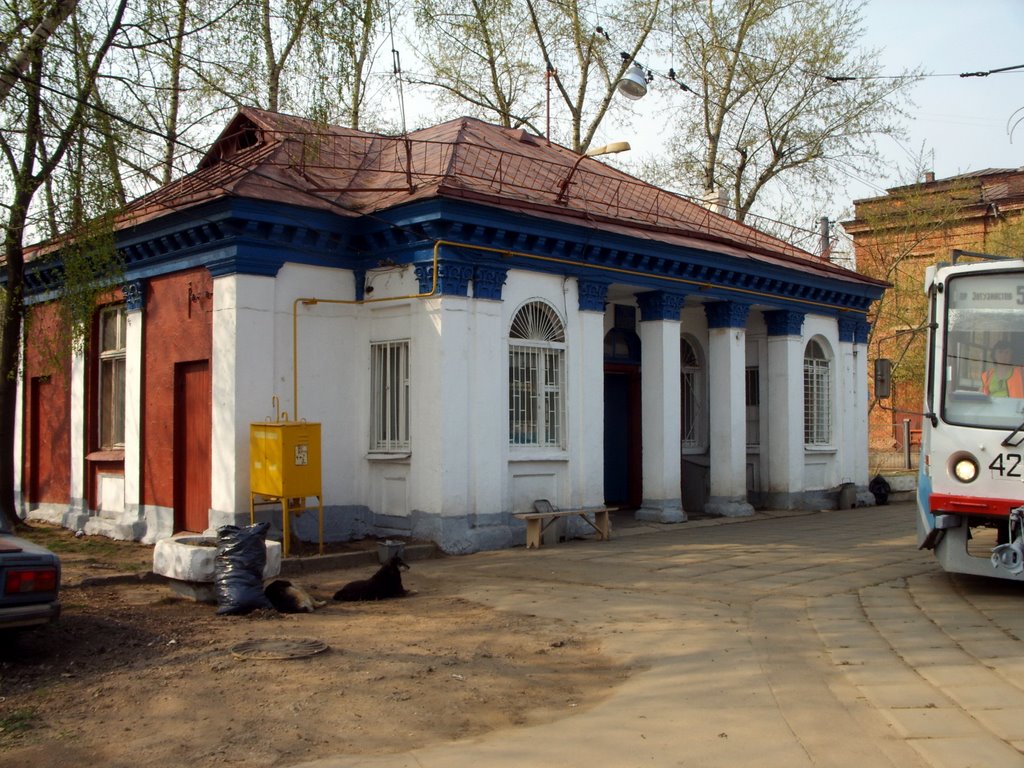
(817, 396)
(693, 399)
(113, 327)
(536, 377)
(389, 384)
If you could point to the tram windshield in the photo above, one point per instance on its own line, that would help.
(983, 365)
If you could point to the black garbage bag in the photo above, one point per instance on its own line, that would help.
(238, 568)
(880, 489)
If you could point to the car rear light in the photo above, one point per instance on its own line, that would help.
(21, 580)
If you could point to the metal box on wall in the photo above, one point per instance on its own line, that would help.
(284, 459)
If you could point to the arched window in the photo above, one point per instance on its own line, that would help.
(694, 396)
(817, 395)
(536, 377)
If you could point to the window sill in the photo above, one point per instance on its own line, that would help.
(534, 453)
(820, 449)
(388, 456)
(115, 454)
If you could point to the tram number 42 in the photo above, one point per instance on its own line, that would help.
(1007, 465)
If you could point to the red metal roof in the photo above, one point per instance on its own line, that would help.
(282, 158)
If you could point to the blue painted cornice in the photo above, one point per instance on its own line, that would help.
(592, 294)
(660, 305)
(245, 236)
(488, 282)
(847, 328)
(134, 295)
(861, 332)
(784, 322)
(452, 277)
(726, 314)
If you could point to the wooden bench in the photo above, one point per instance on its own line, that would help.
(544, 514)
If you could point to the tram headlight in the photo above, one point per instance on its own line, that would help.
(965, 469)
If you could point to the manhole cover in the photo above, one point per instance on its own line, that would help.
(278, 649)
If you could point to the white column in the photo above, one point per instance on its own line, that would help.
(660, 393)
(487, 431)
(847, 445)
(588, 440)
(133, 406)
(728, 436)
(859, 407)
(785, 408)
(20, 507)
(243, 333)
(79, 404)
(439, 473)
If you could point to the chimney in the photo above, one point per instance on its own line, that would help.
(929, 177)
(716, 201)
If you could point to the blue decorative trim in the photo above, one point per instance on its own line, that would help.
(592, 294)
(847, 328)
(660, 305)
(452, 278)
(726, 314)
(784, 322)
(359, 276)
(247, 236)
(488, 282)
(134, 295)
(860, 335)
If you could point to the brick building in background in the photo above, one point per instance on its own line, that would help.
(896, 236)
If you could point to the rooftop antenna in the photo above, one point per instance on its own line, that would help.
(396, 63)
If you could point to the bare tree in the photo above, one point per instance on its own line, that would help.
(784, 95)
(496, 57)
(43, 117)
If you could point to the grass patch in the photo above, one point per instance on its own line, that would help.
(125, 555)
(17, 721)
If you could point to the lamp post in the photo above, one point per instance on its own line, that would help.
(606, 149)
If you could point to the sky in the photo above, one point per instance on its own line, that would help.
(955, 124)
(961, 124)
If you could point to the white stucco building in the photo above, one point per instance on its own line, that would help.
(476, 318)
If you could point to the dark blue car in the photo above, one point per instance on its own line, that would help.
(29, 583)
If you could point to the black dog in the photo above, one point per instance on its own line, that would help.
(385, 583)
(291, 598)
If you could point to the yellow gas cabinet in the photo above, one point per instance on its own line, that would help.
(284, 468)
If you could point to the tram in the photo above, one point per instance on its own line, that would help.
(970, 492)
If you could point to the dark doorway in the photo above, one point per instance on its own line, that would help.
(192, 442)
(623, 484)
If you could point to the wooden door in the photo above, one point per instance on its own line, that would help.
(193, 417)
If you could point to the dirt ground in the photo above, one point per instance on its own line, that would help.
(133, 676)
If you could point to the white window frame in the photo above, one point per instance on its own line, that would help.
(111, 374)
(536, 378)
(817, 395)
(389, 391)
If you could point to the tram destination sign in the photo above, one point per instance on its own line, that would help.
(997, 291)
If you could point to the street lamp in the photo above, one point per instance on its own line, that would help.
(633, 84)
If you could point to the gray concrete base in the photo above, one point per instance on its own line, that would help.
(661, 511)
(725, 506)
